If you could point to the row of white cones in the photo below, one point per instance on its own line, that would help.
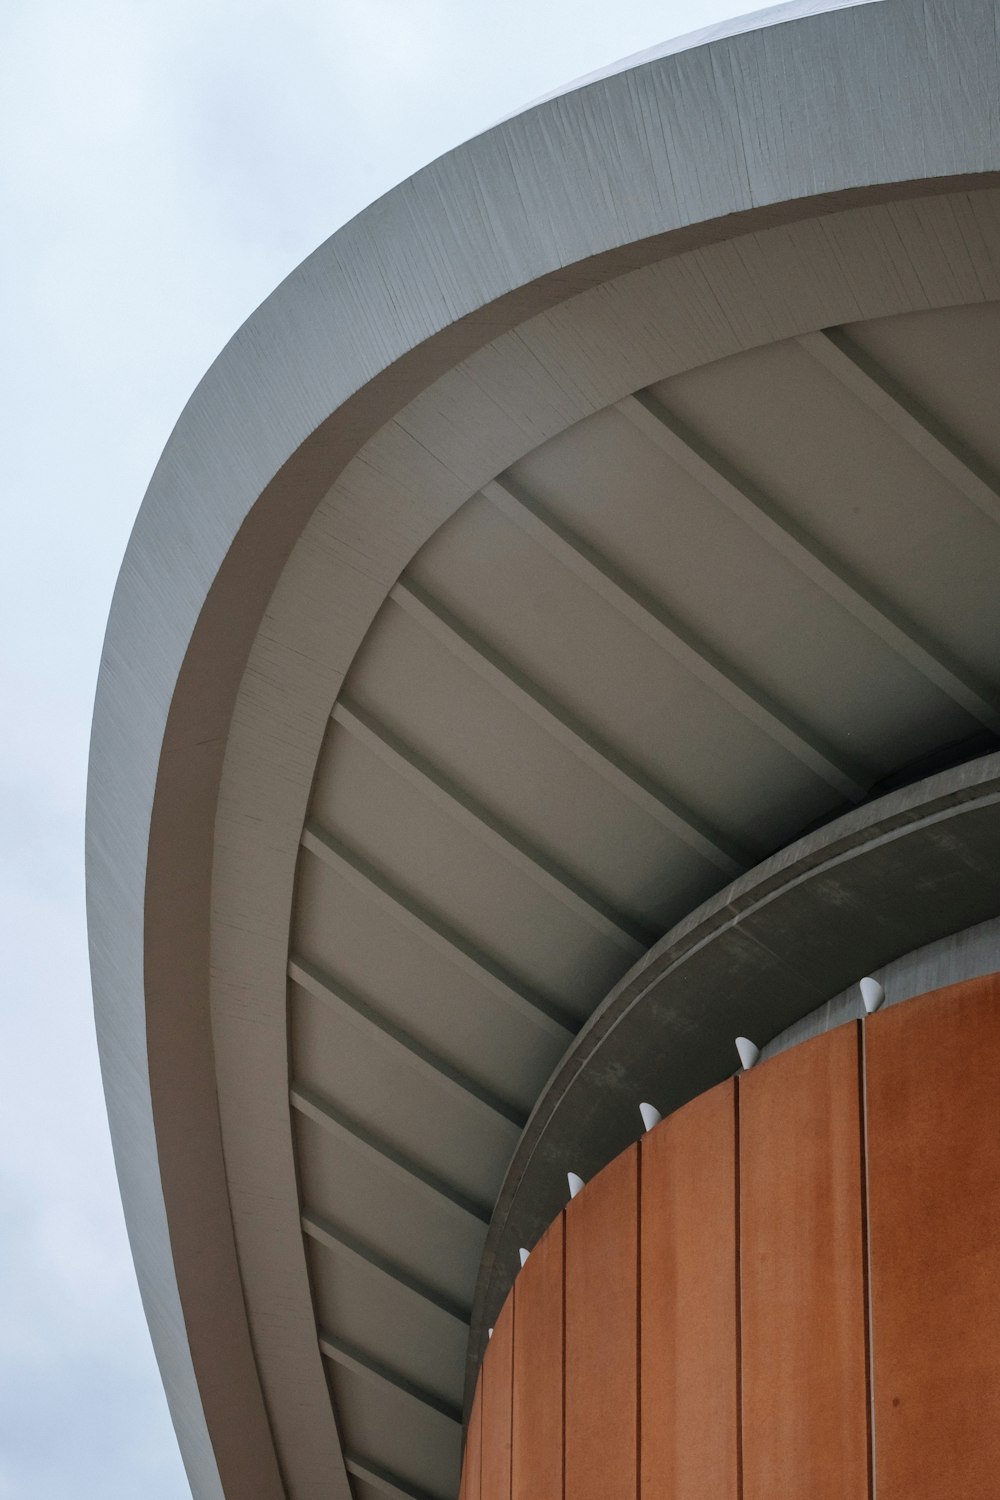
(872, 995)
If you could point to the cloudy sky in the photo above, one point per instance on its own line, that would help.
(163, 164)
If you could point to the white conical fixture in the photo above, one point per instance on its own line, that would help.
(576, 1184)
(489, 1333)
(748, 1050)
(872, 993)
(650, 1116)
(523, 1254)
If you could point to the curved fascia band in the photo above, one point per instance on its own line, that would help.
(696, 146)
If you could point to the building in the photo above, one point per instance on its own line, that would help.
(560, 636)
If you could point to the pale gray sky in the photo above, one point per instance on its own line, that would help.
(164, 163)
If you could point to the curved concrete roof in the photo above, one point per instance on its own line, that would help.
(757, 20)
(598, 511)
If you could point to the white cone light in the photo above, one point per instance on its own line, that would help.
(576, 1184)
(650, 1116)
(523, 1254)
(489, 1333)
(748, 1050)
(872, 994)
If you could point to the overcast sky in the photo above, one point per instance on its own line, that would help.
(164, 164)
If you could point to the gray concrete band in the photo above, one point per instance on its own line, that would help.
(969, 953)
(751, 125)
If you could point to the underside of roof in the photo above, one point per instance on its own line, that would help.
(631, 667)
(560, 625)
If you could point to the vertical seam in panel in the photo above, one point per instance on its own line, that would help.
(513, 1383)
(738, 1291)
(510, 1394)
(479, 1443)
(638, 1319)
(866, 1255)
(485, 1380)
(565, 1334)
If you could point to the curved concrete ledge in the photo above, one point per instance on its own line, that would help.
(886, 878)
(970, 953)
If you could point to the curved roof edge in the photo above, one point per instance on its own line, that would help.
(754, 20)
(367, 320)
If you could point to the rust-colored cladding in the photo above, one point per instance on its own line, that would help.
(537, 1446)
(754, 1386)
(602, 1335)
(802, 1275)
(933, 1071)
(472, 1459)
(497, 1385)
(688, 1365)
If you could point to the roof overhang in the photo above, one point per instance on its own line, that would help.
(839, 169)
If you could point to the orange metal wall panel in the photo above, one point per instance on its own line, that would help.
(688, 1364)
(602, 1335)
(537, 1443)
(497, 1386)
(471, 1462)
(737, 1230)
(933, 1067)
(802, 1275)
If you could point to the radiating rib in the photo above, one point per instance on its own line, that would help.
(332, 1120)
(908, 640)
(437, 934)
(721, 678)
(686, 825)
(365, 1364)
(855, 368)
(339, 1242)
(445, 1074)
(627, 933)
(380, 1479)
